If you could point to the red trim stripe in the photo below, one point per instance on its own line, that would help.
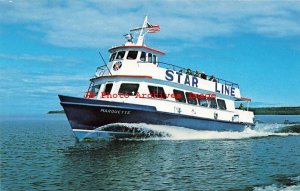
(246, 99)
(125, 76)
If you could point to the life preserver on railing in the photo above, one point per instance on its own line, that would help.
(117, 65)
(89, 95)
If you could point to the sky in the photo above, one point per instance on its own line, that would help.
(51, 47)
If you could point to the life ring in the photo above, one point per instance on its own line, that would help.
(117, 65)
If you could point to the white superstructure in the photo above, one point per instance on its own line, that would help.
(134, 72)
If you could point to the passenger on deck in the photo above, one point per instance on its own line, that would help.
(241, 107)
(181, 71)
(197, 74)
(213, 79)
(189, 72)
(203, 76)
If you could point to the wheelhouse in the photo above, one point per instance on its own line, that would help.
(140, 54)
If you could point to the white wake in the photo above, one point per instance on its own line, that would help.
(180, 133)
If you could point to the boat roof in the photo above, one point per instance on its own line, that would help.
(137, 47)
(243, 99)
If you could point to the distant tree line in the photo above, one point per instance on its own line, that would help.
(56, 111)
(257, 111)
(276, 110)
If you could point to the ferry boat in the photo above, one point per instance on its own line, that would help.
(135, 87)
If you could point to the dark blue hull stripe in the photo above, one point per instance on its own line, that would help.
(91, 114)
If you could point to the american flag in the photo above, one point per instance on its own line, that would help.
(153, 28)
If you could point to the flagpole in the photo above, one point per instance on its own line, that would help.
(141, 36)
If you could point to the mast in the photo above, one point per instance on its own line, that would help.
(146, 28)
(142, 31)
(140, 40)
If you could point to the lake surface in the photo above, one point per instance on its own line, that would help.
(40, 153)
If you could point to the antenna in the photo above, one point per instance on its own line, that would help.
(105, 63)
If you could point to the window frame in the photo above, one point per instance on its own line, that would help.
(199, 102)
(149, 57)
(176, 94)
(145, 57)
(126, 93)
(210, 103)
(129, 54)
(105, 88)
(162, 93)
(112, 56)
(96, 89)
(192, 101)
(154, 59)
(120, 53)
(221, 106)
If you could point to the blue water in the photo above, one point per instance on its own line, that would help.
(40, 153)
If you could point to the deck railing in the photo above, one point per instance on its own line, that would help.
(184, 70)
(101, 70)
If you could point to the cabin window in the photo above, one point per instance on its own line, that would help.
(212, 103)
(132, 55)
(120, 55)
(154, 59)
(108, 88)
(191, 98)
(129, 89)
(96, 89)
(221, 104)
(143, 56)
(202, 102)
(112, 57)
(157, 92)
(179, 96)
(149, 57)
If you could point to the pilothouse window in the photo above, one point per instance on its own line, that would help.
(149, 57)
(132, 55)
(154, 59)
(143, 56)
(120, 55)
(129, 89)
(112, 57)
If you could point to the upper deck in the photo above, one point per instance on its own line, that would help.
(138, 60)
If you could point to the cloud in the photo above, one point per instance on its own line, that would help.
(42, 85)
(101, 23)
(276, 26)
(39, 58)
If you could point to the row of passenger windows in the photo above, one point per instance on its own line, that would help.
(132, 55)
(180, 96)
(189, 98)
